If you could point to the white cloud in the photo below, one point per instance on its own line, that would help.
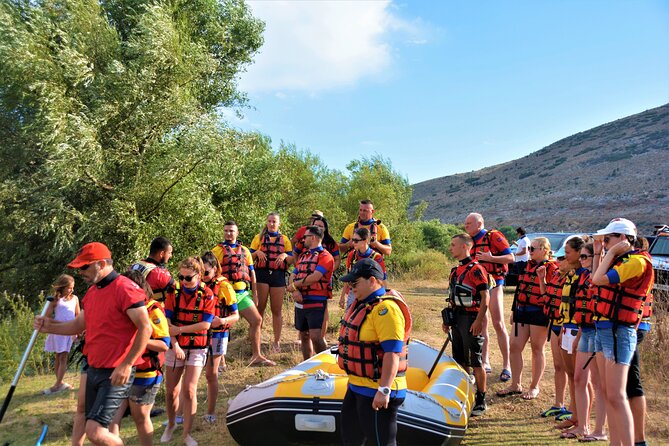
(313, 46)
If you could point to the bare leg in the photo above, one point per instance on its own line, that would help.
(172, 394)
(100, 435)
(60, 366)
(638, 407)
(517, 344)
(600, 399)
(568, 361)
(276, 305)
(496, 309)
(537, 342)
(560, 371)
(618, 409)
(583, 397)
(317, 340)
(255, 321)
(115, 425)
(263, 294)
(79, 422)
(211, 372)
(189, 397)
(307, 349)
(141, 413)
(326, 321)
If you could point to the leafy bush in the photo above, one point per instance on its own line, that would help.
(426, 264)
(16, 328)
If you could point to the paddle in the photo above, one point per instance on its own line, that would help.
(22, 365)
(441, 352)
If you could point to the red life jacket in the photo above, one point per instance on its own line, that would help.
(583, 309)
(272, 250)
(461, 294)
(624, 303)
(151, 361)
(365, 358)
(528, 290)
(233, 264)
(553, 296)
(306, 264)
(191, 312)
(145, 269)
(484, 245)
(353, 258)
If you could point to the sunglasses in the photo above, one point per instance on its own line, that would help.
(607, 238)
(356, 240)
(187, 278)
(584, 256)
(85, 267)
(532, 249)
(208, 272)
(560, 259)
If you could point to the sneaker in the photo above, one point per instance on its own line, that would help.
(553, 411)
(210, 419)
(566, 415)
(479, 406)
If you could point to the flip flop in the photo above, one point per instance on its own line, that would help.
(506, 392)
(263, 363)
(589, 438)
(566, 424)
(505, 375)
(487, 369)
(569, 435)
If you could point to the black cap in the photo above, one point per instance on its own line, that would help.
(364, 268)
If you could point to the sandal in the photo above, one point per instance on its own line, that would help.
(589, 438)
(262, 363)
(505, 375)
(570, 435)
(507, 392)
(566, 424)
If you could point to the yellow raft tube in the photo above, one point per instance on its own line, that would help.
(302, 405)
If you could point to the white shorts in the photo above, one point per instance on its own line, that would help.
(196, 357)
(219, 346)
(568, 341)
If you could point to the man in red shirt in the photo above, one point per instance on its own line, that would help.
(117, 328)
(491, 249)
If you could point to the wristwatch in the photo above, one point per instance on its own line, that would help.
(384, 390)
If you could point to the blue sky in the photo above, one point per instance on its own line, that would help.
(442, 87)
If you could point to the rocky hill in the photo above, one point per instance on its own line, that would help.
(576, 184)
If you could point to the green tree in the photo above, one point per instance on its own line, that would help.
(107, 117)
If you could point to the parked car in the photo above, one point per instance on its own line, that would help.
(556, 240)
(659, 251)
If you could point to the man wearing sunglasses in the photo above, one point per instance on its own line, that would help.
(378, 325)
(311, 287)
(380, 237)
(154, 268)
(117, 328)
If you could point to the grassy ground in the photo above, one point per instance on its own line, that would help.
(508, 421)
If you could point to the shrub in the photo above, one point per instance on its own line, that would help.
(16, 328)
(427, 264)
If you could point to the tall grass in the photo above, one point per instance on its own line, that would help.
(16, 328)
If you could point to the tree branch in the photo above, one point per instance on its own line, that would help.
(97, 182)
(174, 183)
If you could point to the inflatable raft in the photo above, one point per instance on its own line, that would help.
(302, 404)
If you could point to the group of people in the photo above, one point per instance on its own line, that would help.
(143, 324)
(592, 300)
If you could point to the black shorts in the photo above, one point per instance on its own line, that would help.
(634, 386)
(467, 348)
(310, 316)
(103, 399)
(272, 277)
(531, 317)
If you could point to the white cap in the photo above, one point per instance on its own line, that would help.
(619, 226)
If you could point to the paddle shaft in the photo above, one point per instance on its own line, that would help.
(22, 365)
(441, 352)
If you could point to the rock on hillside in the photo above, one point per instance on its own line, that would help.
(617, 169)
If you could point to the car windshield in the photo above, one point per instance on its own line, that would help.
(555, 240)
(660, 247)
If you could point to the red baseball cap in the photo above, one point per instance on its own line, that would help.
(89, 253)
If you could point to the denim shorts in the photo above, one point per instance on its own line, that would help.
(103, 399)
(587, 342)
(143, 395)
(625, 343)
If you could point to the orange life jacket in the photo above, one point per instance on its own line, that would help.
(306, 264)
(528, 290)
(365, 358)
(151, 361)
(553, 296)
(145, 269)
(233, 264)
(191, 312)
(583, 309)
(272, 250)
(484, 245)
(624, 303)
